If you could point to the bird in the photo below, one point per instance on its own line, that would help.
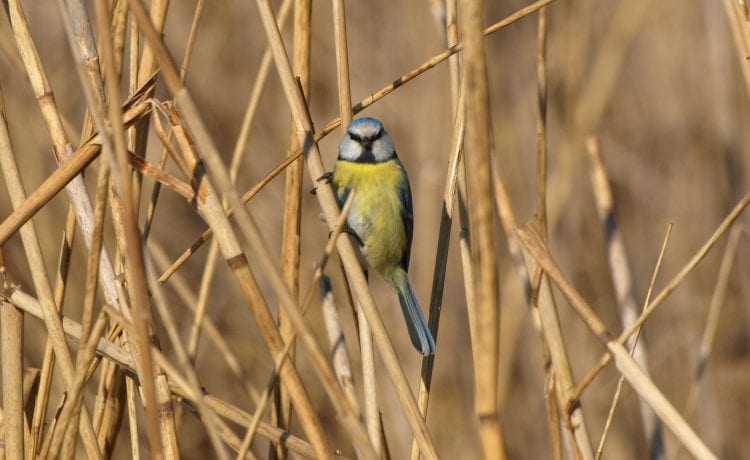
(381, 218)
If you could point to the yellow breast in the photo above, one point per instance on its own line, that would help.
(376, 214)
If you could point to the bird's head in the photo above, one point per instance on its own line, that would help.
(366, 141)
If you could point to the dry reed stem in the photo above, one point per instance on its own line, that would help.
(441, 258)
(148, 63)
(291, 226)
(550, 394)
(66, 172)
(208, 417)
(192, 36)
(546, 322)
(366, 350)
(92, 263)
(564, 384)
(613, 405)
(128, 236)
(63, 258)
(337, 342)
(48, 362)
(73, 329)
(541, 122)
(712, 318)
(622, 280)
(67, 419)
(238, 155)
(11, 331)
(484, 262)
(446, 217)
(244, 419)
(627, 366)
(739, 21)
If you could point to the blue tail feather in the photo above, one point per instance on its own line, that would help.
(419, 331)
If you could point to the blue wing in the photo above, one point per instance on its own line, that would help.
(407, 215)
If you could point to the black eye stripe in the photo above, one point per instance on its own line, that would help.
(370, 140)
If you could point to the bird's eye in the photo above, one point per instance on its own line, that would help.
(378, 135)
(354, 137)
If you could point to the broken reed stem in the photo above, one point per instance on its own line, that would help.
(337, 342)
(192, 36)
(610, 415)
(622, 280)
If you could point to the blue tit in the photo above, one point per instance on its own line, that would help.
(381, 217)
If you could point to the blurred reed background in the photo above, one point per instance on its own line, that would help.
(658, 91)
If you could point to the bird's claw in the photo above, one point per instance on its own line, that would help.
(327, 178)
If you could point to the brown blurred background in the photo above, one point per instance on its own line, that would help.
(658, 82)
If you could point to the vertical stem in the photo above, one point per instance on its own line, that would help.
(441, 261)
(477, 147)
(290, 249)
(550, 395)
(372, 413)
(11, 333)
